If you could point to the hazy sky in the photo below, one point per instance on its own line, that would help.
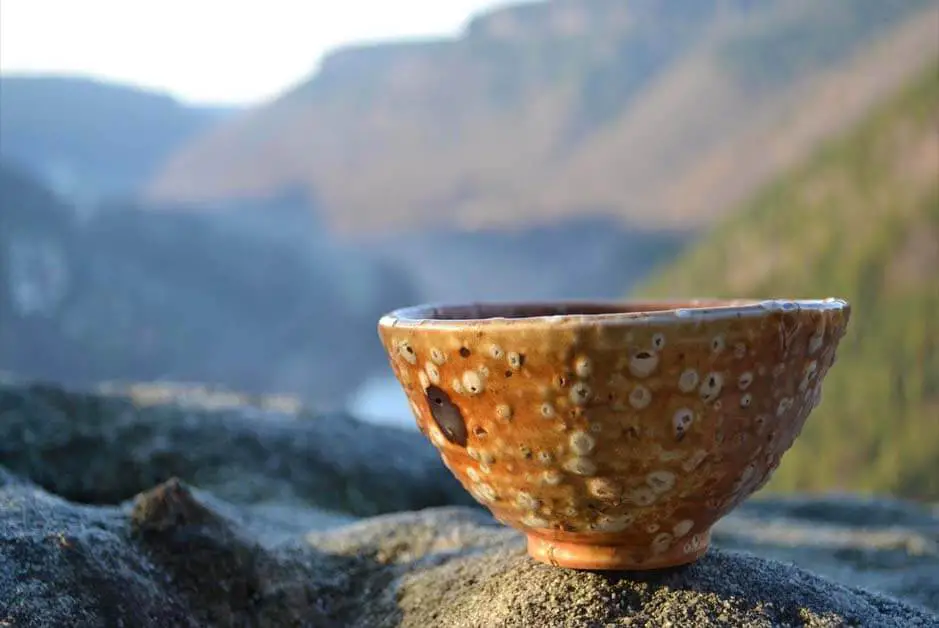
(209, 51)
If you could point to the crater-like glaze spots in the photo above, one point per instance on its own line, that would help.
(681, 421)
(472, 382)
(580, 394)
(583, 367)
(582, 444)
(579, 465)
(640, 397)
(438, 356)
(745, 379)
(406, 351)
(688, 380)
(711, 386)
(643, 364)
(433, 373)
(604, 489)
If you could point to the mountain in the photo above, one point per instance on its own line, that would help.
(657, 113)
(257, 299)
(89, 139)
(859, 219)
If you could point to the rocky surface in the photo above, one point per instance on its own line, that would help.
(178, 557)
(244, 541)
(879, 544)
(100, 449)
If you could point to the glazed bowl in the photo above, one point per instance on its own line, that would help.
(614, 435)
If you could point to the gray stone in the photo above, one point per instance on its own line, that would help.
(178, 557)
(879, 544)
(101, 449)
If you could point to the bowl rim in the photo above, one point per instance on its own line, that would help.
(564, 312)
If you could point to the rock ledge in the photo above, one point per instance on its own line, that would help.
(176, 556)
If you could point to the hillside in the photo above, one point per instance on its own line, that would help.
(657, 113)
(88, 138)
(257, 299)
(859, 220)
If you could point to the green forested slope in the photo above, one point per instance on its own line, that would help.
(860, 220)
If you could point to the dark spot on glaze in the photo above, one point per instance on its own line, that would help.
(447, 416)
(480, 432)
(464, 352)
(643, 355)
(508, 373)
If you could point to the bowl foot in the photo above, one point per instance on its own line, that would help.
(580, 555)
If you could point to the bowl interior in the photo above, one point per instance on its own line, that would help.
(482, 311)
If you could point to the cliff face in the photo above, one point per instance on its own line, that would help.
(655, 112)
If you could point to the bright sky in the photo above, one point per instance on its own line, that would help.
(208, 51)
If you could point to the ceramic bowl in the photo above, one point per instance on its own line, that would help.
(614, 435)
